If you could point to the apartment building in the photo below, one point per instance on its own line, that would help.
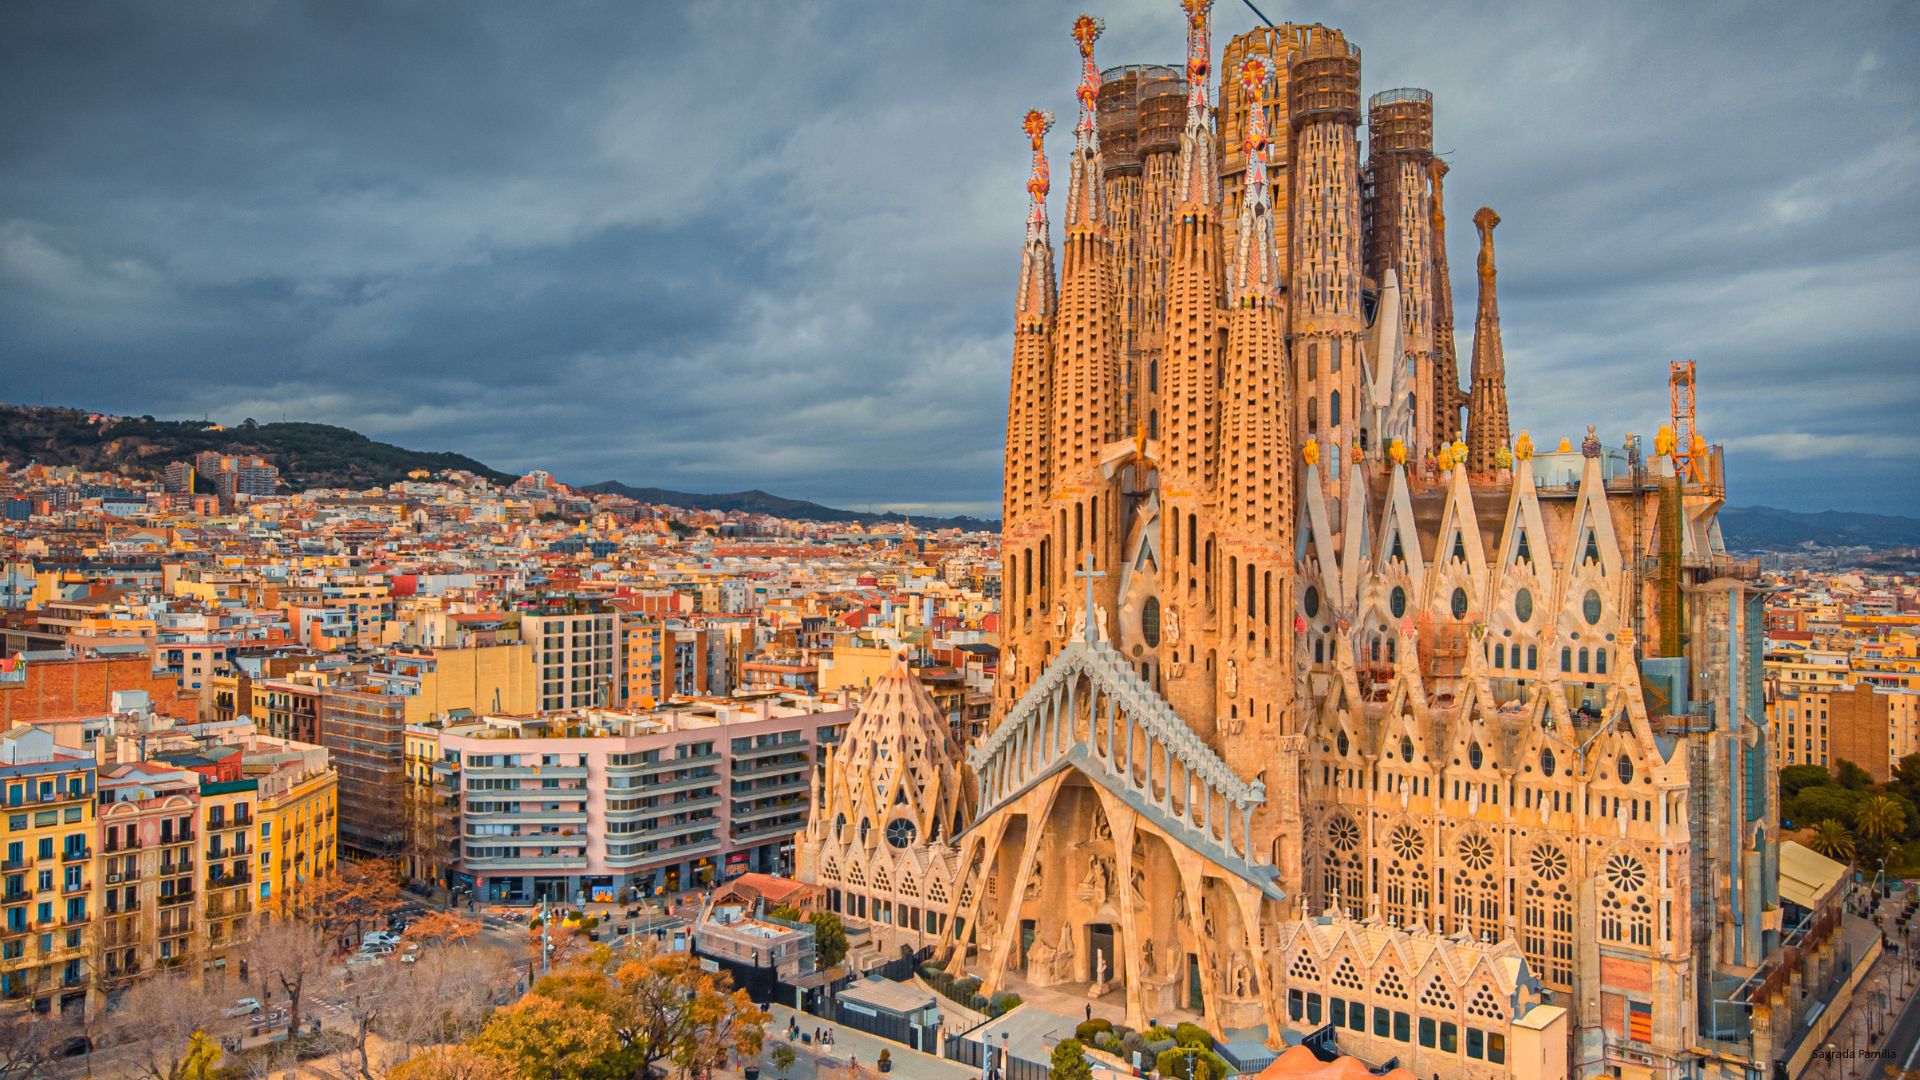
(575, 654)
(49, 873)
(618, 803)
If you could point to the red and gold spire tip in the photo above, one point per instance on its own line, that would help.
(1087, 30)
(1253, 79)
(1036, 124)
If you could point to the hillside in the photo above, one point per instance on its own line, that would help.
(761, 502)
(309, 455)
(1767, 528)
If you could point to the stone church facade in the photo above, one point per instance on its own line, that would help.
(1293, 653)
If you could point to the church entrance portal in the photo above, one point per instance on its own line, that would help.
(1100, 943)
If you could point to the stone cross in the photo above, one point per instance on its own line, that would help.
(1089, 574)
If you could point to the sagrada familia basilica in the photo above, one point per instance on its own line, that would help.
(1318, 704)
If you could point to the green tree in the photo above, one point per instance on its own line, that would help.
(1797, 778)
(203, 1057)
(1070, 1062)
(1818, 804)
(1879, 818)
(829, 938)
(1851, 776)
(1830, 838)
(782, 1059)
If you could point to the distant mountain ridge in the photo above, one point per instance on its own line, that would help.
(1768, 528)
(761, 502)
(308, 455)
(322, 455)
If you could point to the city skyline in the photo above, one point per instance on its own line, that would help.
(705, 251)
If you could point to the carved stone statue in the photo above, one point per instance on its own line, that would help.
(1035, 878)
(1063, 955)
(1099, 967)
(1146, 958)
(1098, 885)
(1170, 624)
(1233, 678)
(1239, 976)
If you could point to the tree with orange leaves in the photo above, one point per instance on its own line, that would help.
(543, 1038)
(350, 898)
(453, 1063)
(442, 927)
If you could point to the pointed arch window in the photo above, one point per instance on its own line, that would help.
(1459, 547)
(1333, 407)
(1521, 552)
(1592, 553)
(1599, 661)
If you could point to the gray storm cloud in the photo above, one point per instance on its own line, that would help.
(721, 245)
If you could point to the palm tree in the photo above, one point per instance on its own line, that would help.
(1830, 838)
(1879, 818)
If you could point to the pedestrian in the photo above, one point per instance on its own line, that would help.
(1089, 1010)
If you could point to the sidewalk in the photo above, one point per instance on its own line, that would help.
(831, 1063)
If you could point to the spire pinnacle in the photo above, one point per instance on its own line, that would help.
(1199, 174)
(1084, 209)
(1487, 402)
(1035, 300)
(1256, 268)
(1037, 123)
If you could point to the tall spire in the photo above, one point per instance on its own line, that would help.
(1487, 406)
(1447, 398)
(1086, 394)
(1199, 164)
(1085, 210)
(1035, 302)
(1255, 268)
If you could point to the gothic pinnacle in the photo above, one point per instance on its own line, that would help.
(1487, 405)
(1085, 210)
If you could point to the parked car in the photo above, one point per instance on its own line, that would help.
(379, 937)
(245, 1006)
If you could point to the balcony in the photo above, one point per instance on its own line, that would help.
(76, 855)
(527, 772)
(74, 887)
(508, 817)
(228, 881)
(184, 866)
(683, 828)
(126, 878)
(689, 784)
(762, 832)
(663, 765)
(21, 863)
(177, 898)
(184, 836)
(756, 752)
(128, 908)
(664, 809)
(116, 845)
(525, 862)
(755, 813)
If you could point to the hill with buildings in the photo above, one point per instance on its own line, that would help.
(761, 502)
(308, 455)
(1767, 528)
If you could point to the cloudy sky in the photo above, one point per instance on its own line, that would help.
(720, 245)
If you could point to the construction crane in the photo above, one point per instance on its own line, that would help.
(1680, 394)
